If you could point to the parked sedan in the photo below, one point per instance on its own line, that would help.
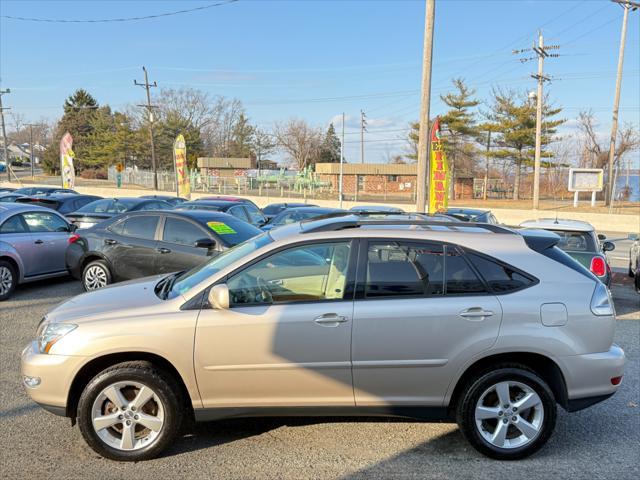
(580, 241)
(293, 215)
(274, 209)
(246, 212)
(139, 244)
(227, 198)
(33, 241)
(100, 210)
(472, 215)
(60, 202)
(42, 190)
(171, 199)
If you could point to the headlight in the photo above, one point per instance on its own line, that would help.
(50, 333)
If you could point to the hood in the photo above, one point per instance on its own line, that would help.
(118, 300)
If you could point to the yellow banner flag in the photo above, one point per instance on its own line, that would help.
(438, 172)
(183, 184)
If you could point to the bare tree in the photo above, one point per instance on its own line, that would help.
(595, 152)
(299, 140)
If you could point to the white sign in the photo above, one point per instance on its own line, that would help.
(586, 179)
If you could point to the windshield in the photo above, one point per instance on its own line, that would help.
(106, 206)
(193, 277)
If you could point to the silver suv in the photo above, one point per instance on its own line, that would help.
(348, 315)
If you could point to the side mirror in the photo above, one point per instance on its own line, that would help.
(602, 236)
(219, 296)
(608, 246)
(632, 237)
(73, 227)
(205, 243)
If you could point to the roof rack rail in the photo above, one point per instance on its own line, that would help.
(344, 224)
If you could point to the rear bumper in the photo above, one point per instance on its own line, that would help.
(73, 259)
(589, 377)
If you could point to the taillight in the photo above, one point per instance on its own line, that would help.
(601, 302)
(73, 238)
(598, 266)
(616, 380)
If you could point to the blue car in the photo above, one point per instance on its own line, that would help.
(293, 215)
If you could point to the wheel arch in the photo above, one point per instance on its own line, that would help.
(96, 365)
(543, 366)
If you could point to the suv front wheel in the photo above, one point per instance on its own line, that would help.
(508, 413)
(130, 412)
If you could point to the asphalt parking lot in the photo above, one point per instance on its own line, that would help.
(600, 442)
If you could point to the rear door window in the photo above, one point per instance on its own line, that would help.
(140, 227)
(460, 277)
(13, 225)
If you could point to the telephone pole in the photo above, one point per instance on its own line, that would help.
(31, 125)
(627, 5)
(486, 171)
(341, 161)
(363, 128)
(4, 134)
(423, 136)
(541, 52)
(146, 85)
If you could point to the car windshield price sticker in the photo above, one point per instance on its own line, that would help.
(221, 228)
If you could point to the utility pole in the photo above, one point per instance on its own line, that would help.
(363, 128)
(486, 171)
(541, 52)
(31, 125)
(4, 134)
(341, 161)
(146, 85)
(423, 136)
(627, 5)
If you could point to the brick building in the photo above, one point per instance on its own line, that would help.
(225, 167)
(369, 178)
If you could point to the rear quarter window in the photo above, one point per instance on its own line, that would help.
(500, 277)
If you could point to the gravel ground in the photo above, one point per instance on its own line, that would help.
(600, 442)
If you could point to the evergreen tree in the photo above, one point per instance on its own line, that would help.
(242, 138)
(330, 147)
(514, 117)
(460, 125)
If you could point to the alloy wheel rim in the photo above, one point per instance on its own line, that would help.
(127, 416)
(509, 415)
(6, 280)
(95, 278)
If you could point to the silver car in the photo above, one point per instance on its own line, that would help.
(349, 315)
(33, 242)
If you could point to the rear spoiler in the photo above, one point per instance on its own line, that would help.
(539, 240)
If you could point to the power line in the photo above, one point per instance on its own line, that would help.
(124, 19)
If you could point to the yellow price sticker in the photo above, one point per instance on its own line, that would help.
(221, 228)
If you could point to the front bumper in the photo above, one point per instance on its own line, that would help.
(55, 374)
(589, 377)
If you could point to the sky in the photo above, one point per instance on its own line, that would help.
(317, 59)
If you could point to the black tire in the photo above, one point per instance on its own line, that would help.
(636, 281)
(7, 268)
(166, 390)
(465, 410)
(631, 274)
(93, 266)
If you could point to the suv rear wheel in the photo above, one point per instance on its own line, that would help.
(130, 412)
(508, 413)
(96, 275)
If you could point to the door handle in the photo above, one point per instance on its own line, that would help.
(163, 250)
(476, 313)
(330, 319)
(38, 242)
(110, 241)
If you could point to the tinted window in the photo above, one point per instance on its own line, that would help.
(576, 241)
(232, 231)
(460, 278)
(238, 212)
(273, 209)
(182, 232)
(153, 206)
(13, 225)
(255, 216)
(45, 222)
(501, 278)
(140, 227)
(99, 206)
(275, 280)
(404, 269)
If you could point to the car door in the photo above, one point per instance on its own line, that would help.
(50, 237)
(176, 246)
(131, 246)
(286, 338)
(15, 234)
(418, 306)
